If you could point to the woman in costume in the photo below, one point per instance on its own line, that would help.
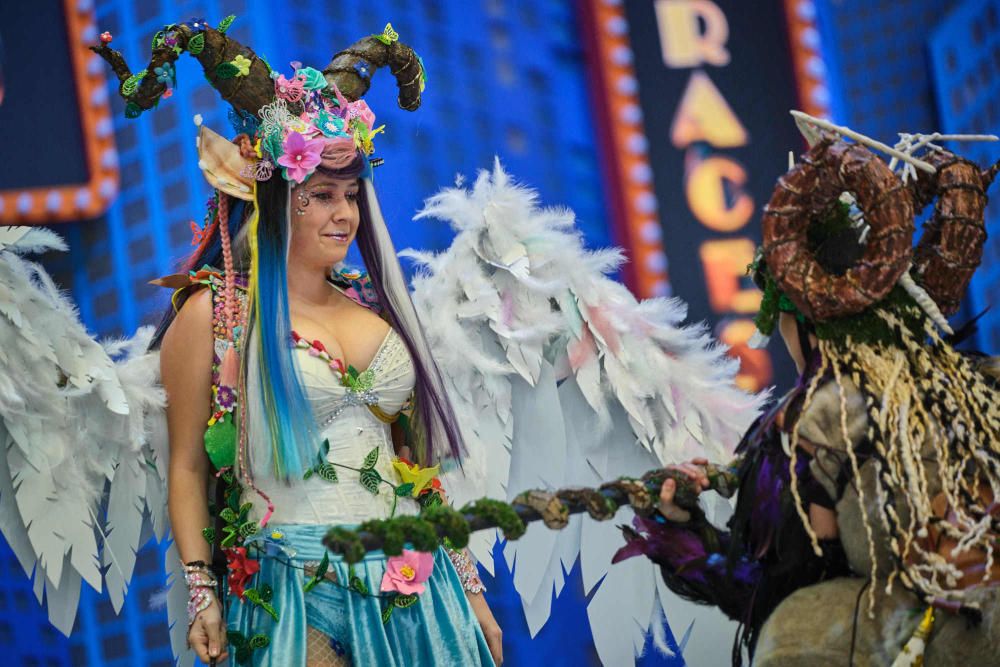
(877, 473)
(316, 385)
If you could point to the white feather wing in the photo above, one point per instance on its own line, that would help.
(560, 377)
(73, 432)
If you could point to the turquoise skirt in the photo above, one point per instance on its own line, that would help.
(267, 628)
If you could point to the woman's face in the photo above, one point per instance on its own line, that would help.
(324, 220)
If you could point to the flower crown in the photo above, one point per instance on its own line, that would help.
(308, 122)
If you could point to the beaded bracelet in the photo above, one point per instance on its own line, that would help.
(201, 588)
(200, 579)
(199, 599)
(466, 570)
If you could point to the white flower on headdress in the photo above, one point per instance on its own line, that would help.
(274, 117)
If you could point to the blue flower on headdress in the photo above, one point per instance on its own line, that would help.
(329, 124)
(314, 79)
(164, 73)
(196, 23)
(243, 121)
(363, 68)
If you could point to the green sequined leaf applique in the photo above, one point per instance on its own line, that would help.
(229, 516)
(132, 83)
(405, 490)
(387, 613)
(247, 529)
(321, 570)
(254, 596)
(226, 71)
(272, 612)
(259, 641)
(328, 472)
(358, 586)
(236, 638)
(266, 592)
(404, 601)
(370, 479)
(371, 459)
(196, 44)
(225, 23)
(208, 534)
(230, 538)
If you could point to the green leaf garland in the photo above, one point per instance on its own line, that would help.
(225, 23)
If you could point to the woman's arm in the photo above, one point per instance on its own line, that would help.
(186, 370)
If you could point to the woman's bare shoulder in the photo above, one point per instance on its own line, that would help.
(189, 336)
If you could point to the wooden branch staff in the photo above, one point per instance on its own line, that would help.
(553, 508)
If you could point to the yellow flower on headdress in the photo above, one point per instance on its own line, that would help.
(363, 137)
(411, 473)
(242, 65)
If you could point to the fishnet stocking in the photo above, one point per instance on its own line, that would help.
(319, 653)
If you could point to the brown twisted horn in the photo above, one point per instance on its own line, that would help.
(828, 169)
(951, 247)
(246, 93)
(403, 62)
(250, 93)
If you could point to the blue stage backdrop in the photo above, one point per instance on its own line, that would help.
(933, 65)
(506, 78)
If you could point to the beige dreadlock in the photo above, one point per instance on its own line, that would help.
(934, 421)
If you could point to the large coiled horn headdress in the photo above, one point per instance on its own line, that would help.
(838, 229)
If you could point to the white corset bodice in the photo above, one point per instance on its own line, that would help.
(352, 430)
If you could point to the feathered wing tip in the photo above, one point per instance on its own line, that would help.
(30, 240)
(559, 376)
(71, 424)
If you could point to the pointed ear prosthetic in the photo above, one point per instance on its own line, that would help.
(223, 166)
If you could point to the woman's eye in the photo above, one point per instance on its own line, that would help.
(323, 196)
(351, 196)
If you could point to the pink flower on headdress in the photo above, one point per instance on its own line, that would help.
(338, 152)
(291, 90)
(300, 156)
(407, 572)
(361, 111)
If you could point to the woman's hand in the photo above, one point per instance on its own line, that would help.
(695, 471)
(207, 635)
(494, 637)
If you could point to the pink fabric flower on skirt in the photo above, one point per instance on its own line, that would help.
(407, 572)
(300, 156)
